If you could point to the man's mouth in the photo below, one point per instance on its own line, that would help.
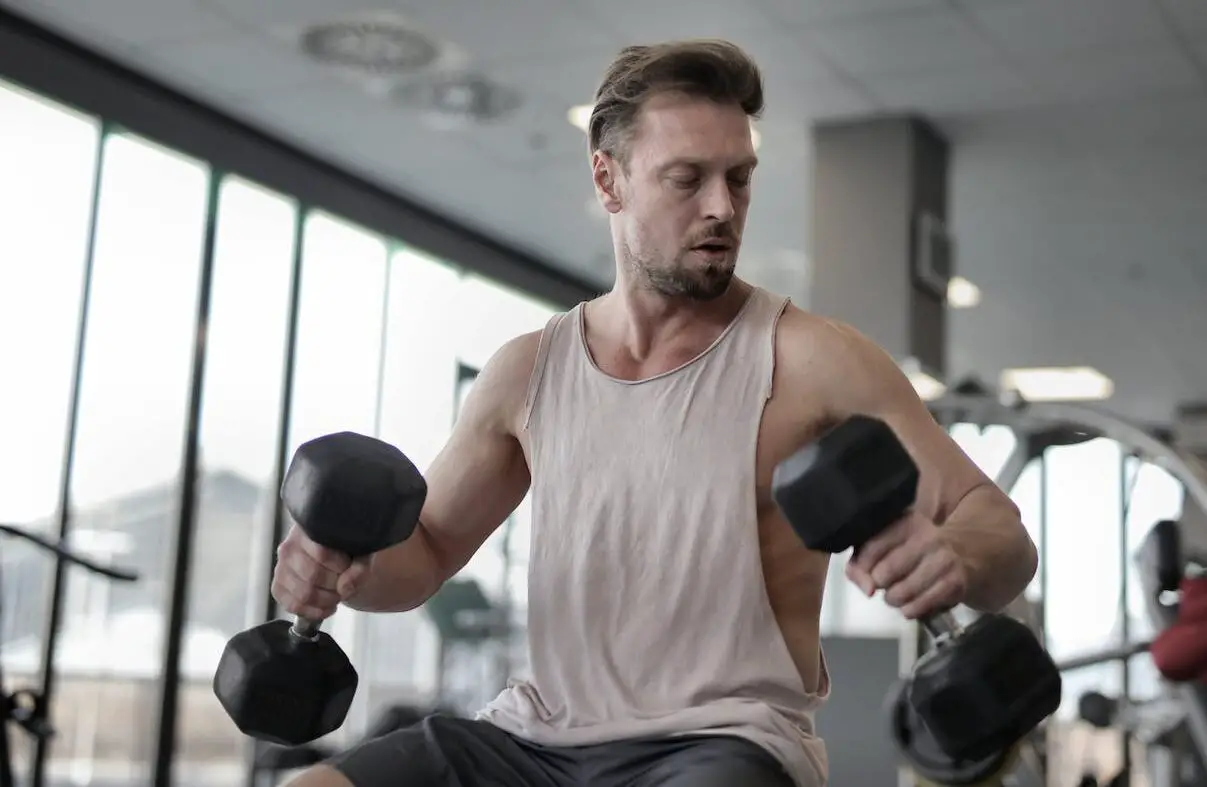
(715, 247)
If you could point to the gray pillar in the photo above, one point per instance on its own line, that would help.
(881, 257)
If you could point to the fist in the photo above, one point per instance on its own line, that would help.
(310, 581)
(914, 565)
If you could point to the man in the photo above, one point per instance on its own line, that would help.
(673, 614)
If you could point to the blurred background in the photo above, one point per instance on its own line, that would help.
(228, 226)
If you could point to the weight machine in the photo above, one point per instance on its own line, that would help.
(27, 707)
(1040, 426)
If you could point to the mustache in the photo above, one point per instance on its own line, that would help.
(718, 234)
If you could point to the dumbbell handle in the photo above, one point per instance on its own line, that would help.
(304, 628)
(942, 625)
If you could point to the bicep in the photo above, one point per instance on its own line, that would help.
(481, 474)
(869, 382)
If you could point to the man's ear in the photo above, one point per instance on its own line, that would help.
(605, 171)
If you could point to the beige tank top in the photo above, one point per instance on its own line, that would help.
(648, 612)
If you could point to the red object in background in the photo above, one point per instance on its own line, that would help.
(1180, 652)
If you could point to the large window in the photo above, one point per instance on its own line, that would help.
(387, 343)
(240, 418)
(47, 170)
(130, 441)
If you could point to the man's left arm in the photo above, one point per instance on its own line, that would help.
(965, 541)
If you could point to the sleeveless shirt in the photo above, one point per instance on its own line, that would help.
(648, 611)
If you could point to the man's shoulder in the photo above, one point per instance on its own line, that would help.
(805, 337)
(832, 361)
(503, 381)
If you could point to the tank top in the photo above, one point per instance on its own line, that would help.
(648, 612)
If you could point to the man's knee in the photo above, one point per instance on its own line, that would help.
(319, 776)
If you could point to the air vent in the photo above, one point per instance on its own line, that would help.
(374, 47)
(458, 98)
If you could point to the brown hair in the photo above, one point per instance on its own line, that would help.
(710, 68)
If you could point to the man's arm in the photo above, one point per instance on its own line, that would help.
(475, 482)
(979, 521)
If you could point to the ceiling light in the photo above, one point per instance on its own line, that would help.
(368, 45)
(926, 386)
(962, 294)
(456, 99)
(1058, 384)
(580, 117)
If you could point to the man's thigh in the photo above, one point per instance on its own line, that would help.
(442, 751)
(702, 762)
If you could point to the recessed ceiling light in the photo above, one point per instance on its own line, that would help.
(369, 45)
(962, 294)
(580, 117)
(1058, 384)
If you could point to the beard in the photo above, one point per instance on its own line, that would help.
(678, 279)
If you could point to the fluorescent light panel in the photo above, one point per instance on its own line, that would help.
(1058, 383)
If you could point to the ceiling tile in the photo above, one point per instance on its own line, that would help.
(129, 21)
(648, 21)
(956, 92)
(808, 11)
(897, 42)
(272, 14)
(519, 29)
(239, 63)
(565, 80)
(1189, 16)
(1043, 28)
(1120, 73)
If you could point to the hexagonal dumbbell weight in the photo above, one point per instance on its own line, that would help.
(291, 684)
(982, 688)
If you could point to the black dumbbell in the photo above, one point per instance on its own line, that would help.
(291, 684)
(980, 689)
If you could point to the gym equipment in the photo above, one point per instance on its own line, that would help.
(981, 689)
(293, 684)
(1180, 651)
(27, 708)
(932, 766)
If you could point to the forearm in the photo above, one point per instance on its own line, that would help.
(400, 578)
(985, 530)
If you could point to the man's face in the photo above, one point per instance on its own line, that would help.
(679, 207)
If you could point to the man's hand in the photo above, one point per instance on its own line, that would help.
(918, 570)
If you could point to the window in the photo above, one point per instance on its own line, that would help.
(134, 393)
(241, 413)
(47, 170)
(337, 376)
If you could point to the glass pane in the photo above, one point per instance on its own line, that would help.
(989, 447)
(337, 372)
(399, 665)
(126, 477)
(501, 565)
(1083, 530)
(241, 404)
(47, 167)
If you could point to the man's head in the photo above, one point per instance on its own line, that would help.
(672, 158)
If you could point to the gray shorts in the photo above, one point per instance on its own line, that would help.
(442, 751)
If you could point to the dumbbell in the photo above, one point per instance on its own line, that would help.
(292, 684)
(981, 688)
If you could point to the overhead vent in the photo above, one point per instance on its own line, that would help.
(373, 46)
(453, 99)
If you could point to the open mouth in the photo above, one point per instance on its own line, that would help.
(713, 248)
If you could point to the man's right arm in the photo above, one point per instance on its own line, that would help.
(475, 482)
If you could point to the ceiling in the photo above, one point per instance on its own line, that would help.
(1079, 130)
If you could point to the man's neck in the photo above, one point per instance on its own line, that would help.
(643, 321)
